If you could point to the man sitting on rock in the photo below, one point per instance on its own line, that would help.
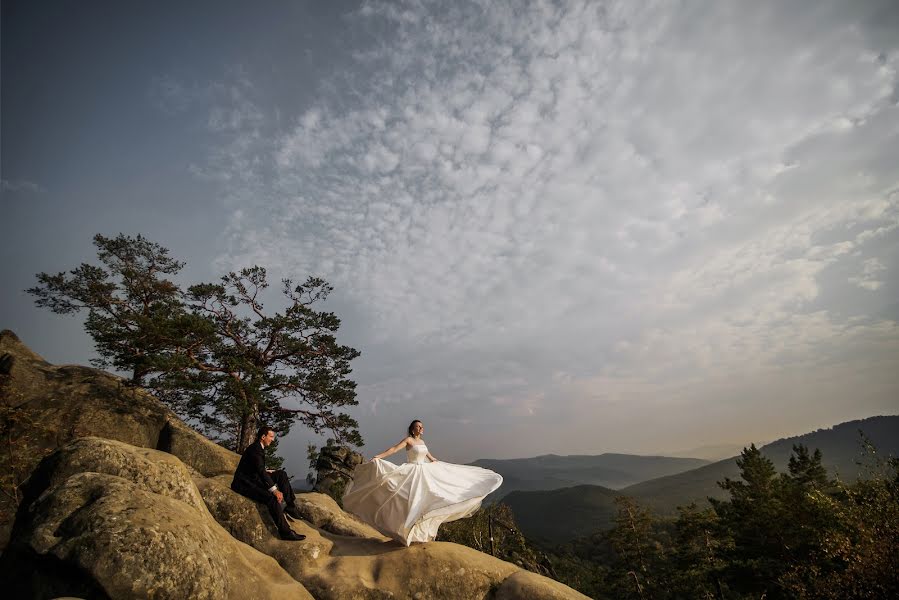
(253, 480)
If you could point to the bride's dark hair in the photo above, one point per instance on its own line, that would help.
(411, 425)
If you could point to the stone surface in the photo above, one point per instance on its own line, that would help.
(206, 457)
(364, 568)
(322, 511)
(151, 470)
(98, 535)
(251, 523)
(73, 401)
(132, 503)
(334, 469)
(525, 584)
(70, 401)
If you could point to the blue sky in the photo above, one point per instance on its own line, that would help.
(552, 227)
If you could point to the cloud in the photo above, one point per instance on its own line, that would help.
(640, 196)
(22, 185)
(868, 279)
(172, 96)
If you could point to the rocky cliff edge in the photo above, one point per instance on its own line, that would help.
(124, 500)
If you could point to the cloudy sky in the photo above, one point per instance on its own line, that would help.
(552, 227)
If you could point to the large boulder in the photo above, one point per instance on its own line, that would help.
(151, 470)
(251, 523)
(322, 511)
(368, 569)
(343, 558)
(132, 503)
(72, 401)
(56, 404)
(334, 470)
(525, 584)
(138, 534)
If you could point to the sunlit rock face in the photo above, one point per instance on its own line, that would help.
(125, 501)
(101, 518)
(334, 469)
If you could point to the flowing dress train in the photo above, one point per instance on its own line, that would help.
(409, 502)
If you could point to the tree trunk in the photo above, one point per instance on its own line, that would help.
(248, 424)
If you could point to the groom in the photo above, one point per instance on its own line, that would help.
(253, 480)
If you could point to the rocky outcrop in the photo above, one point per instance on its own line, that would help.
(525, 584)
(334, 470)
(322, 511)
(72, 401)
(251, 523)
(131, 524)
(150, 470)
(134, 504)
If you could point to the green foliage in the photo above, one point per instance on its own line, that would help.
(640, 556)
(131, 306)
(272, 459)
(790, 535)
(212, 352)
(312, 455)
(756, 558)
(337, 489)
(256, 367)
(492, 530)
(856, 554)
(696, 562)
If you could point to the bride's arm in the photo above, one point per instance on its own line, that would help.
(391, 450)
(431, 457)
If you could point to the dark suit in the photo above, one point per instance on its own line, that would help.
(253, 481)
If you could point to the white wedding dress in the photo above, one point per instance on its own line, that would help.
(409, 502)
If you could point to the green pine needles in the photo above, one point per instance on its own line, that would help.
(211, 350)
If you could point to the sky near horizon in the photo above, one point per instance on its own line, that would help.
(552, 227)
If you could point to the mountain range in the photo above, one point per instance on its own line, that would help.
(557, 515)
(613, 471)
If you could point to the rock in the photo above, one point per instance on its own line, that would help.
(334, 470)
(322, 511)
(6, 362)
(98, 535)
(357, 562)
(151, 470)
(374, 570)
(73, 401)
(132, 503)
(251, 523)
(68, 402)
(525, 584)
(193, 449)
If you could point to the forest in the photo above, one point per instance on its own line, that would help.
(798, 534)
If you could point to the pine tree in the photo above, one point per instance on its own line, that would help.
(254, 368)
(133, 311)
(640, 563)
(753, 517)
(856, 554)
(211, 352)
(804, 521)
(696, 561)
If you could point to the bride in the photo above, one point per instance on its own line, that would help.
(409, 502)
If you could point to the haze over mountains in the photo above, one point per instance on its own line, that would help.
(614, 471)
(710, 452)
(561, 514)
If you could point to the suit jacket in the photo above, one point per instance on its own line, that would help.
(251, 470)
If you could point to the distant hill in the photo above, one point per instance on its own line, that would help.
(562, 514)
(612, 471)
(840, 446)
(711, 453)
